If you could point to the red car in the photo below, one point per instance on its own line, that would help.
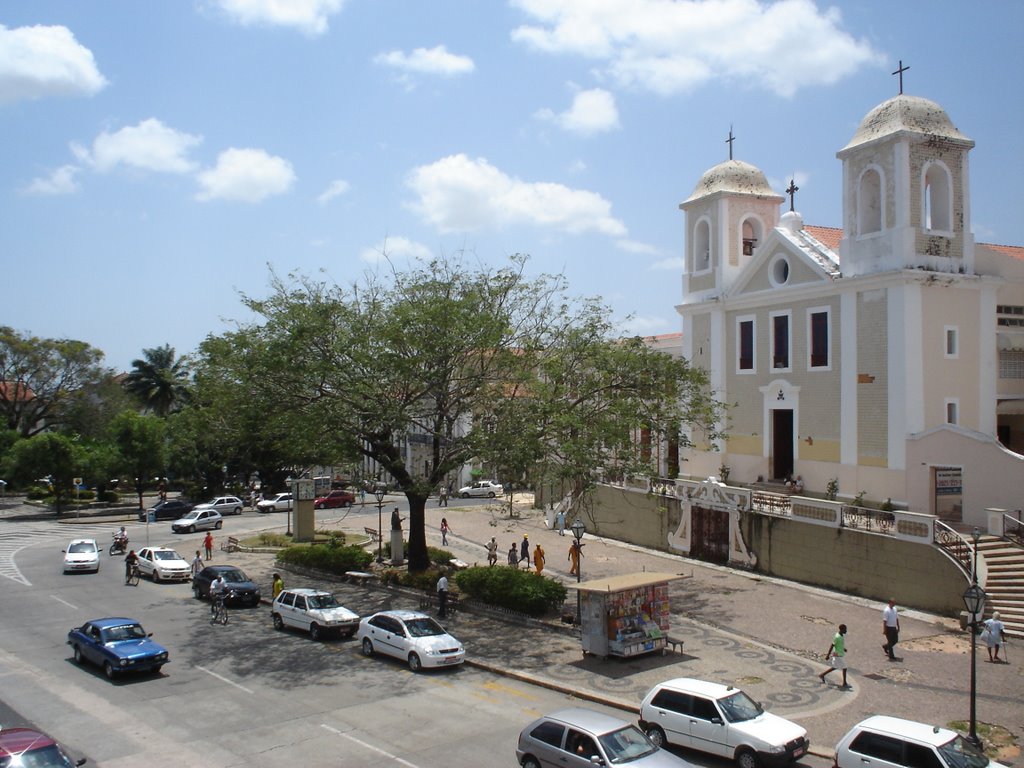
(335, 499)
(25, 746)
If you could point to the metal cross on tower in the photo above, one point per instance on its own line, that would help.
(729, 141)
(791, 190)
(900, 72)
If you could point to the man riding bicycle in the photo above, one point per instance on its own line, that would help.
(131, 561)
(217, 589)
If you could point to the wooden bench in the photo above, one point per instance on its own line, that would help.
(373, 533)
(359, 577)
(231, 545)
(674, 643)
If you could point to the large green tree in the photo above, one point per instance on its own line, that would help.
(140, 442)
(435, 352)
(47, 455)
(39, 376)
(159, 380)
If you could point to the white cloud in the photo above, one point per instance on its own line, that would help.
(334, 189)
(308, 16)
(246, 175)
(668, 47)
(395, 247)
(673, 264)
(150, 146)
(60, 182)
(457, 193)
(432, 61)
(45, 61)
(638, 325)
(591, 112)
(635, 246)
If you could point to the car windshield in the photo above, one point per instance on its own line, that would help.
(740, 707)
(960, 753)
(233, 576)
(425, 627)
(166, 555)
(321, 601)
(626, 744)
(191, 516)
(82, 546)
(45, 757)
(124, 632)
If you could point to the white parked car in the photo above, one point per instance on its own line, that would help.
(82, 555)
(226, 505)
(198, 520)
(415, 638)
(313, 611)
(722, 720)
(891, 742)
(486, 488)
(280, 503)
(163, 564)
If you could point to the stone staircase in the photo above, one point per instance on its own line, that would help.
(1005, 583)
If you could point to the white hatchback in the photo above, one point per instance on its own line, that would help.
(415, 638)
(313, 611)
(722, 720)
(226, 505)
(198, 520)
(487, 488)
(891, 742)
(82, 555)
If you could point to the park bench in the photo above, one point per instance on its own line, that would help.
(373, 533)
(674, 643)
(359, 577)
(231, 545)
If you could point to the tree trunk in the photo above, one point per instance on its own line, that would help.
(419, 560)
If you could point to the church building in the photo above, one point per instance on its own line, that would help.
(885, 356)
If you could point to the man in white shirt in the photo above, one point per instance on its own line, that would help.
(442, 596)
(891, 629)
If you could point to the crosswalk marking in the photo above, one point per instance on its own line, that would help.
(16, 536)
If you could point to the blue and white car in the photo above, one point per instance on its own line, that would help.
(118, 645)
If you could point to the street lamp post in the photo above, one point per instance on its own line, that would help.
(974, 601)
(578, 529)
(378, 492)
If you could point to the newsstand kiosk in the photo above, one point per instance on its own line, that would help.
(625, 615)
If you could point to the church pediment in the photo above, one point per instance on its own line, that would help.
(786, 259)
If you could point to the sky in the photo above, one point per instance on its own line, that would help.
(160, 159)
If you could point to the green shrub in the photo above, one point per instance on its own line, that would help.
(84, 495)
(337, 559)
(267, 539)
(437, 555)
(37, 492)
(422, 580)
(510, 588)
(110, 497)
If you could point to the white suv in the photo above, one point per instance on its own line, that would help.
(722, 720)
(891, 742)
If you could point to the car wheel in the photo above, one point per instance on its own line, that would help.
(746, 758)
(349, 634)
(367, 647)
(655, 734)
(530, 762)
(318, 506)
(278, 622)
(108, 670)
(346, 504)
(315, 633)
(78, 655)
(490, 494)
(219, 524)
(414, 662)
(191, 529)
(157, 668)
(465, 495)
(156, 576)
(238, 511)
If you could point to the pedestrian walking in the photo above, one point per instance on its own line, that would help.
(445, 528)
(492, 551)
(278, 586)
(575, 554)
(837, 654)
(538, 559)
(208, 545)
(524, 550)
(513, 556)
(362, 496)
(560, 522)
(196, 566)
(995, 637)
(442, 496)
(442, 596)
(891, 629)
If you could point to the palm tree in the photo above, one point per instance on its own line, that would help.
(158, 380)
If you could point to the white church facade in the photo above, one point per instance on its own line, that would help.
(886, 355)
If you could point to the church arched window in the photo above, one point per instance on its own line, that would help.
(702, 246)
(869, 202)
(751, 234)
(937, 198)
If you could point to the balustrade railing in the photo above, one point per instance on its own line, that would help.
(1013, 527)
(864, 519)
(956, 545)
(770, 503)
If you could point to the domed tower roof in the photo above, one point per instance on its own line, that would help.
(733, 177)
(906, 113)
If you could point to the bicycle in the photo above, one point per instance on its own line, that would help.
(131, 578)
(219, 611)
